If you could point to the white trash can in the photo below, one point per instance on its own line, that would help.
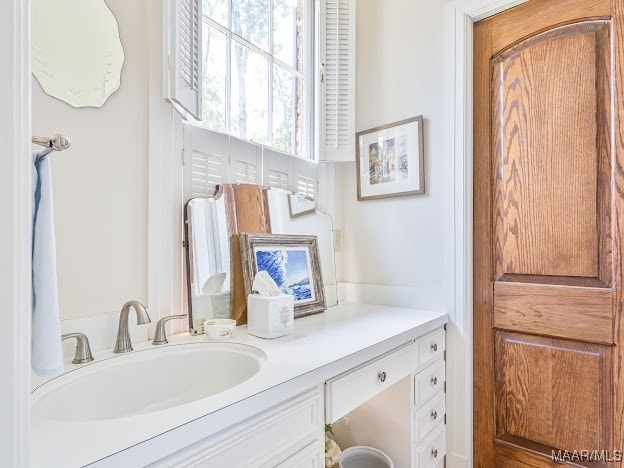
(364, 457)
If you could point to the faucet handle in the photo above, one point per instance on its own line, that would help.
(160, 336)
(83, 350)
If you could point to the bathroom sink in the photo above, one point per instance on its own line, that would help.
(146, 381)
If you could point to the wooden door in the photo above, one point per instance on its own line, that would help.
(548, 221)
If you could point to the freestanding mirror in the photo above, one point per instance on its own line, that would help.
(213, 251)
(208, 261)
(292, 213)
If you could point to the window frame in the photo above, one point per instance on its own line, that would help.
(308, 76)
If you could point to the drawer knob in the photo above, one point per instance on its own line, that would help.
(434, 415)
(382, 376)
(434, 380)
(434, 347)
(434, 453)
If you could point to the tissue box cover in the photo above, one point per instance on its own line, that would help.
(270, 316)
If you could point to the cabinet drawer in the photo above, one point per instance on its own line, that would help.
(428, 382)
(262, 441)
(429, 416)
(348, 391)
(431, 347)
(431, 452)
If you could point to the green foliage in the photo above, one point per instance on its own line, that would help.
(213, 80)
(250, 20)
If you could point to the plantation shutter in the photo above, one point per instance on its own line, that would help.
(206, 161)
(185, 56)
(245, 162)
(278, 170)
(336, 107)
(306, 177)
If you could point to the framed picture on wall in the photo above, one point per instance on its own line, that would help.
(292, 261)
(390, 160)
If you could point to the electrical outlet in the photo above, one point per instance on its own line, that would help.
(338, 240)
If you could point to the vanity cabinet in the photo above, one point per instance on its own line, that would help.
(292, 434)
(309, 457)
(429, 406)
(418, 367)
(287, 436)
(383, 365)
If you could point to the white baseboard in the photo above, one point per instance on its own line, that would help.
(101, 331)
(396, 296)
(454, 461)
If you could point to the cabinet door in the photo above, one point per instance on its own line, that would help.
(312, 456)
(262, 441)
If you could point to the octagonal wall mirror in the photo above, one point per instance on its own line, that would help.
(77, 54)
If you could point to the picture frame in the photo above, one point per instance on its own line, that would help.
(299, 205)
(390, 160)
(293, 261)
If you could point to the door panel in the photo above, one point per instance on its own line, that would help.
(545, 100)
(525, 21)
(545, 388)
(507, 456)
(546, 232)
(578, 313)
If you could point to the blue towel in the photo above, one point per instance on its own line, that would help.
(47, 352)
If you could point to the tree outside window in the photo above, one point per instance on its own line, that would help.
(254, 75)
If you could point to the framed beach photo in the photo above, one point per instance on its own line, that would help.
(390, 160)
(294, 264)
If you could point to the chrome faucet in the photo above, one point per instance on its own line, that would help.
(83, 350)
(124, 345)
(160, 336)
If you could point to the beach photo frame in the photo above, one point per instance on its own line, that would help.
(293, 261)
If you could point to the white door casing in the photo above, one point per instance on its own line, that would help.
(15, 233)
(461, 17)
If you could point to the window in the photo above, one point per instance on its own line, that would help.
(281, 79)
(257, 71)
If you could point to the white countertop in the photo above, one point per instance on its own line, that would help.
(322, 346)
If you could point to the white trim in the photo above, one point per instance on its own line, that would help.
(477, 10)
(165, 198)
(15, 233)
(460, 20)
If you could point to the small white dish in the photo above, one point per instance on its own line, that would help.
(219, 329)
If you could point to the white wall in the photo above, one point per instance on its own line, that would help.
(400, 251)
(100, 183)
(400, 74)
